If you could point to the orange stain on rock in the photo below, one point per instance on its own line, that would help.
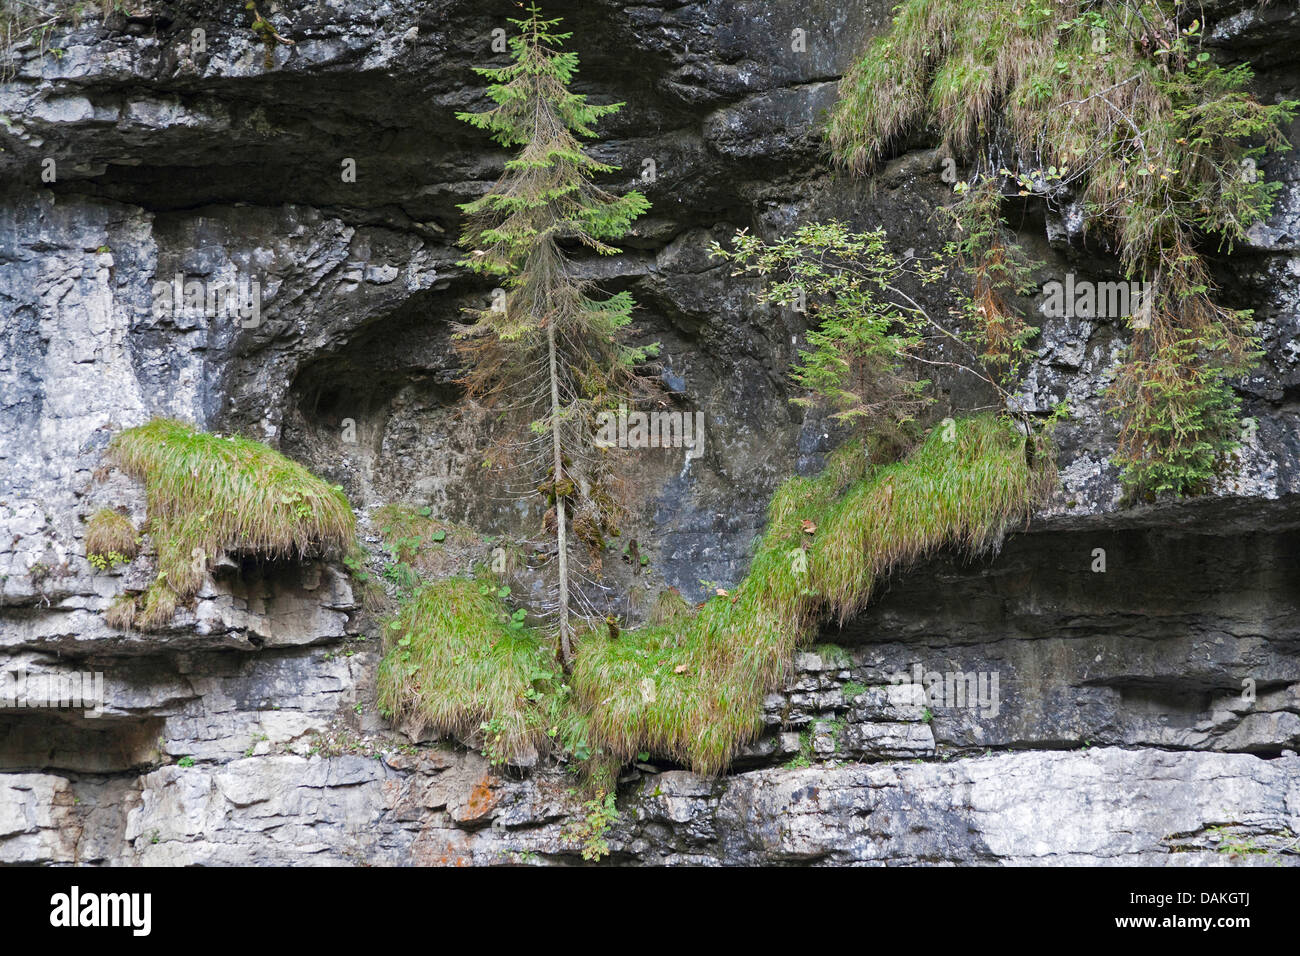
(482, 799)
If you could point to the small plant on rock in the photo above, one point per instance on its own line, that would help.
(111, 539)
(590, 831)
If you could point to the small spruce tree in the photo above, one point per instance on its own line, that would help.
(550, 345)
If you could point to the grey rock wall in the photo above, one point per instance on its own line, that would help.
(1147, 714)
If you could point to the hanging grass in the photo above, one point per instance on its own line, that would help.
(691, 688)
(694, 691)
(206, 494)
(461, 665)
(121, 613)
(1113, 104)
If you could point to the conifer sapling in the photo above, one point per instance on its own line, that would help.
(549, 345)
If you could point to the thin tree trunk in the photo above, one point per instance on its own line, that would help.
(561, 532)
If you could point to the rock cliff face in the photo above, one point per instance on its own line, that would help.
(1146, 713)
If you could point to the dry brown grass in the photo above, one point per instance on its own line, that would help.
(121, 613)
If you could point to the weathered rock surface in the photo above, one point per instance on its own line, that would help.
(1147, 713)
(1102, 806)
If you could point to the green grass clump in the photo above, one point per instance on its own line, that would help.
(206, 494)
(691, 686)
(670, 608)
(459, 664)
(159, 607)
(694, 692)
(964, 493)
(110, 538)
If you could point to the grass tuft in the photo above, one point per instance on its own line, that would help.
(159, 607)
(670, 609)
(111, 538)
(694, 692)
(207, 494)
(459, 665)
(689, 686)
(121, 613)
